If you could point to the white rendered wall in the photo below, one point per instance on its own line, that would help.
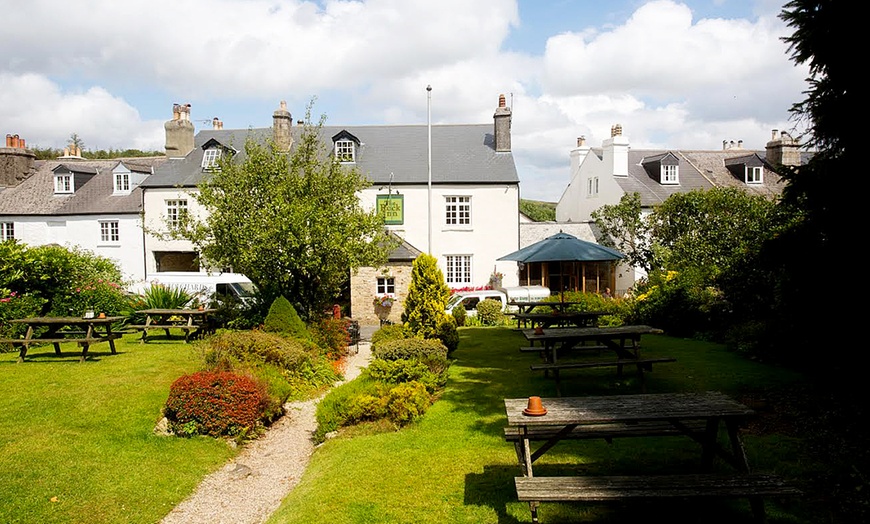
(493, 233)
(83, 231)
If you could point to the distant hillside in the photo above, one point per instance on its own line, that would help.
(538, 211)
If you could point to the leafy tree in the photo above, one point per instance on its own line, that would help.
(76, 141)
(805, 259)
(538, 211)
(427, 298)
(291, 222)
(625, 229)
(708, 231)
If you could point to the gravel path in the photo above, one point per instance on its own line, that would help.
(250, 488)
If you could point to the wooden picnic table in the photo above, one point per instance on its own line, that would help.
(527, 307)
(83, 331)
(624, 341)
(194, 322)
(695, 415)
(559, 319)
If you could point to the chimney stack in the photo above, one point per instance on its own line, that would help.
(16, 162)
(179, 132)
(615, 152)
(784, 150)
(502, 121)
(282, 122)
(577, 155)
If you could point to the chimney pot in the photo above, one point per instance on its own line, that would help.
(501, 100)
(21, 144)
(8, 140)
(580, 141)
(773, 134)
(740, 144)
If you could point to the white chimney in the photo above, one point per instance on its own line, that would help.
(577, 155)
(616, 152)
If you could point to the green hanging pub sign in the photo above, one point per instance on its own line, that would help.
(392, 207)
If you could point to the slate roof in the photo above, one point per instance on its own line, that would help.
(461, 154)
(35, 195)
(698, 170)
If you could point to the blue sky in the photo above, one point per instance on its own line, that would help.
(673, 74)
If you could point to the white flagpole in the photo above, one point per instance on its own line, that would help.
(429, 127)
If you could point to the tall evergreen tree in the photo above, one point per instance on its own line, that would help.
(427, 298)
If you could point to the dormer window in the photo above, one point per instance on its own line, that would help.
(748, 168)
(345, 147)
(754, 175)
(664, 167)
(344, 151)
(63, 183)
(122, 183)
(211, 158)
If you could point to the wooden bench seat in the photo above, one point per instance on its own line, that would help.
(538, 349)
(645, 363)
(606, 431)
(642, 364)
(614, 488)
(91, 340)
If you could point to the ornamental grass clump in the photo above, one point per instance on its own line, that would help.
(218, 404)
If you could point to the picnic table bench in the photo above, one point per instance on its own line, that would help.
(696, 415)
(624, 341)
(59, 330)
(194, 322)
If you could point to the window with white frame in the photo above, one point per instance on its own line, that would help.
(458, 270)
(458, 211)
(386, 286)
(670, 174)
(122, 182)
(109, 231)
(592, 186)
(63, 183)
(175, 210)
(210, 158)
(754, 175)
(344, 151)
(7, 231)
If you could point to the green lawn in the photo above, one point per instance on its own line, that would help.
(454, 465)
(76, 442)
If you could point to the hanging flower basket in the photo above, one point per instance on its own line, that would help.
(384, 301)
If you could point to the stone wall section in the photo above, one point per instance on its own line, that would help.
(364, 286)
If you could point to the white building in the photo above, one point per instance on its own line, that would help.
(89, 204)
(467, 217)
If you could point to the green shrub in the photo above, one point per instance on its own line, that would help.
(282, 318)
(448, 334)
(489, 312)
(459, 315)
(388, 332)
(409, 348)
(215, 404)
(13, 305)
(336, 409)
(290, 367)
(407, 402)
(402, 370)
(427, 297)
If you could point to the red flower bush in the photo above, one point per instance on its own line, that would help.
(215, 403)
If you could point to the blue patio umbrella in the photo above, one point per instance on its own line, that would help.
(563, 247)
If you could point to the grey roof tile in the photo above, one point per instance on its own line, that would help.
(35, 195)
(461, 154)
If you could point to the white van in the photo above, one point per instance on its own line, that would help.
(203, 285)
(505, 295)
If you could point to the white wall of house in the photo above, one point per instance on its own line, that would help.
(581, 198)
(493, 232)
(83, 231)
(155, 220)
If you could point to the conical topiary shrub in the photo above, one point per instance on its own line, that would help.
(282, 318)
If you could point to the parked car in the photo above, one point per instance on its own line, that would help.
(505, 295)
